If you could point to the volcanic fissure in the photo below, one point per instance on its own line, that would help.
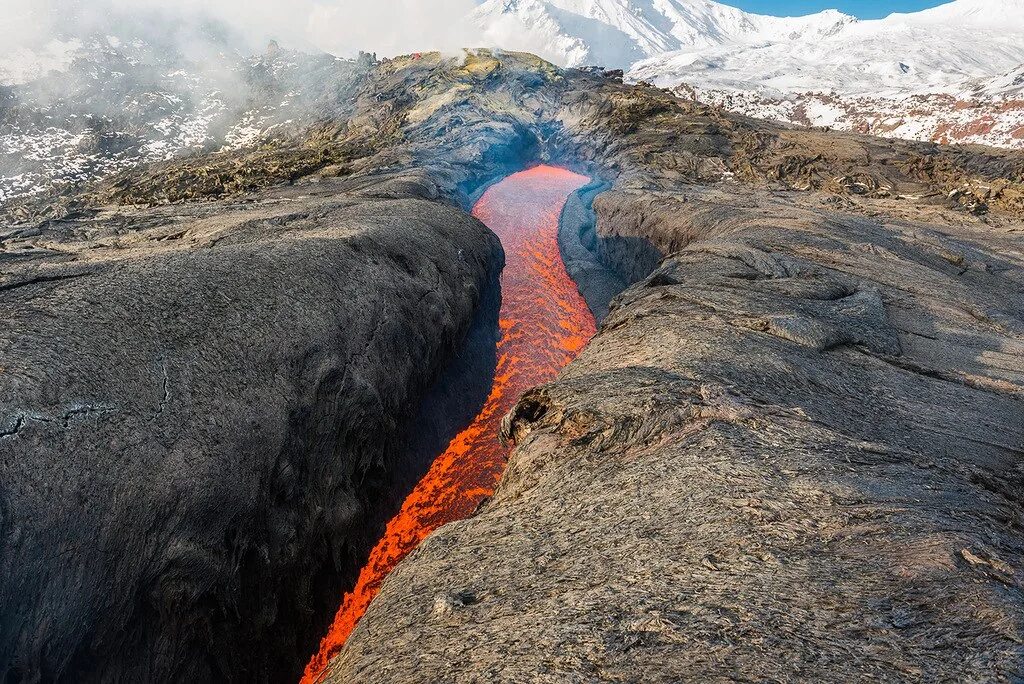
(544, 322)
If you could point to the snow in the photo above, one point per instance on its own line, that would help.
(1005, 86)
(937, 117)
(821, 113)
(967, 14)
(23, 64)
(617, 33)
(925, 52)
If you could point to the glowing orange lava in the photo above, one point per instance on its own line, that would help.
(544, 324)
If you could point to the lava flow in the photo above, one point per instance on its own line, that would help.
(544, 324)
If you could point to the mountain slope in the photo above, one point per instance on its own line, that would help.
(80, 109)
(617, 33)
(926, 51)
(937, 117)
(951, 73)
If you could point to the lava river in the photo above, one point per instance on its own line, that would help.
(544, 323)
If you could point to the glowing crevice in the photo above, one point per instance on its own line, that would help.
(544, 323)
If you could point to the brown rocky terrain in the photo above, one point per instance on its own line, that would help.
(792, 452)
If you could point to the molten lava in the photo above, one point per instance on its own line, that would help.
(544, 324)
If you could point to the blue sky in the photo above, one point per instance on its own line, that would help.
(865, 9)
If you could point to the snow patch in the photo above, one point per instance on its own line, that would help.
(23, 64)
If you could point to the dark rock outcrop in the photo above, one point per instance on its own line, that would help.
(201, 406)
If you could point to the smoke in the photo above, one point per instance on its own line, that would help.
(393, 26)
(93, 86)
(31, 23)
(340, 27)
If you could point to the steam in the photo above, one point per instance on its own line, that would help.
(393, 26)
(93, 87)
(339, 27)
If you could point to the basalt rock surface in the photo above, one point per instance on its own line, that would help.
(202, 406)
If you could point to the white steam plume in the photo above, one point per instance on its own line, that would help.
(340, 27)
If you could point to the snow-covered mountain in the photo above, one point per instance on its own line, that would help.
(928, 51)
(710, 44)
(951, 73)
(618, 33)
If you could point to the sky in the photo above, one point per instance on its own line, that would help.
(865, 9)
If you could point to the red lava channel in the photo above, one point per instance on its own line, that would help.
(544, 324)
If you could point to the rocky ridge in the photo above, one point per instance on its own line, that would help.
(204, 411)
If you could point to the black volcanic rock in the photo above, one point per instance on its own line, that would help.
(198, 414)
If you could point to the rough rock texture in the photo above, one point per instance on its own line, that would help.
(200, 406)
(794, 451)
(582, 251)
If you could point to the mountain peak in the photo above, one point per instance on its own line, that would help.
(617, 33)
(968, 14)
